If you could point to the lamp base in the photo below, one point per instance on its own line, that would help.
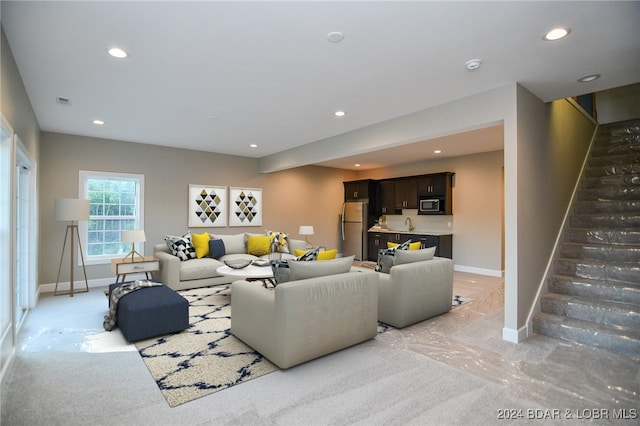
(131, 255)
(72, 231)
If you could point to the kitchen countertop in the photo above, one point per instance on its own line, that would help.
(414, 232)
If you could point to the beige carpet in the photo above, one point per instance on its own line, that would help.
(205, 358)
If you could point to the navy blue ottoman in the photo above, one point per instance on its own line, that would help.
(151, 311)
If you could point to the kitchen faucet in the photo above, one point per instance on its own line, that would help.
(408, 219)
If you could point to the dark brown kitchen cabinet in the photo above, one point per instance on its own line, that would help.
(377, 241)
(406, 193)
(359, 190)
(387, 196)
(435, 184)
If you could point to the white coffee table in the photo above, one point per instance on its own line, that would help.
(249, 273)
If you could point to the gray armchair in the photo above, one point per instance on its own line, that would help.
(413, 292)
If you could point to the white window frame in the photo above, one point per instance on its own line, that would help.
(84, 176)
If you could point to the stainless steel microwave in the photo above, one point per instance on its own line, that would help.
(428, 205)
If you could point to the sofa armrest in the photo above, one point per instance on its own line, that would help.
(169, 273)
(253, 315)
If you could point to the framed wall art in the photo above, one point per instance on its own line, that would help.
(245, 207)
(207, 206)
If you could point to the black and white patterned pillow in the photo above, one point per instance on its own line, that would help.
(311, 254)
(386, 257)
(181, 247)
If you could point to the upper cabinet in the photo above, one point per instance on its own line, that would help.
(406, 193)
(359, 190)
(387, 196)
(435, 184)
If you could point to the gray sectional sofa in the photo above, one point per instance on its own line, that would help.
(180, 275)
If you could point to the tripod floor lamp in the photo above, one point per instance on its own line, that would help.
(72, 210)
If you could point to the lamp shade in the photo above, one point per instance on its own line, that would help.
(71, 209)
(306, 230)
(136, 236)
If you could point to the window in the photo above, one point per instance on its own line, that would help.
(115, 205)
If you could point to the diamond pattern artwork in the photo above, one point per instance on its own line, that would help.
(207, 206)
(245, 207)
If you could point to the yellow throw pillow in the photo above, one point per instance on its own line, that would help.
(327, 254)
(201, 243)
(258, 245)
(412, 246)
(299, 252)
(322, 254)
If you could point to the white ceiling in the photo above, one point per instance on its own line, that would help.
(218, 76)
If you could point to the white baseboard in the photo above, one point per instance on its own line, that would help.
(79, 285)
(479, 271)
(514, 336)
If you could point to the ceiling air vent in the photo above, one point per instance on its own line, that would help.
(62, 100)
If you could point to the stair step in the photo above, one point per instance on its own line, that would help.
(613, 314)
(612, 169)
(619, 146)
(628, 272)
(581, 207)
(629, 237)
(609, 194)
(611, 290)
(611, 180)
(603, 252)
(605, 220)
(621, 341)
(614, 160)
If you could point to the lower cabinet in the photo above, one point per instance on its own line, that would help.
(378, 240)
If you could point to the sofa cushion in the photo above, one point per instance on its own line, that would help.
(300, 270)
(216, 248)
(410, 256)
(281, 239)
(181, 247)
(234, 244)
(201, 244)
(197, 269)
(258, 245)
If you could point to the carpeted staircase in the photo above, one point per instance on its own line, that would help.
(594, 288)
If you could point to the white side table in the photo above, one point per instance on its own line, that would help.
(123, 267)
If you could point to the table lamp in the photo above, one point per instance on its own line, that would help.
(133, 237)
(306, 230)
(72, 210)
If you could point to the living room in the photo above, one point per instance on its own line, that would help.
(497, 224)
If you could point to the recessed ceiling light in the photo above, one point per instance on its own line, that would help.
(473, 64)
(588, 78)
(253, 145)
(557, 34)
(116, 52)
(437, 151)
(357, 164)
(335, 36)
(98, 122)
(339, 113)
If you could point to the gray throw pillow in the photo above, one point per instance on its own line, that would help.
(319, 268)
(410, 256)
(386, 259)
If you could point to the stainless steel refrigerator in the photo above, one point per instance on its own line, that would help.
(354, 229)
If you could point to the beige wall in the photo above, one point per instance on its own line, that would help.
(553, 139)
(301, 196)
(477, 207)
(621, 103)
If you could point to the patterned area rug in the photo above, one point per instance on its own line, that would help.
(206, 357)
